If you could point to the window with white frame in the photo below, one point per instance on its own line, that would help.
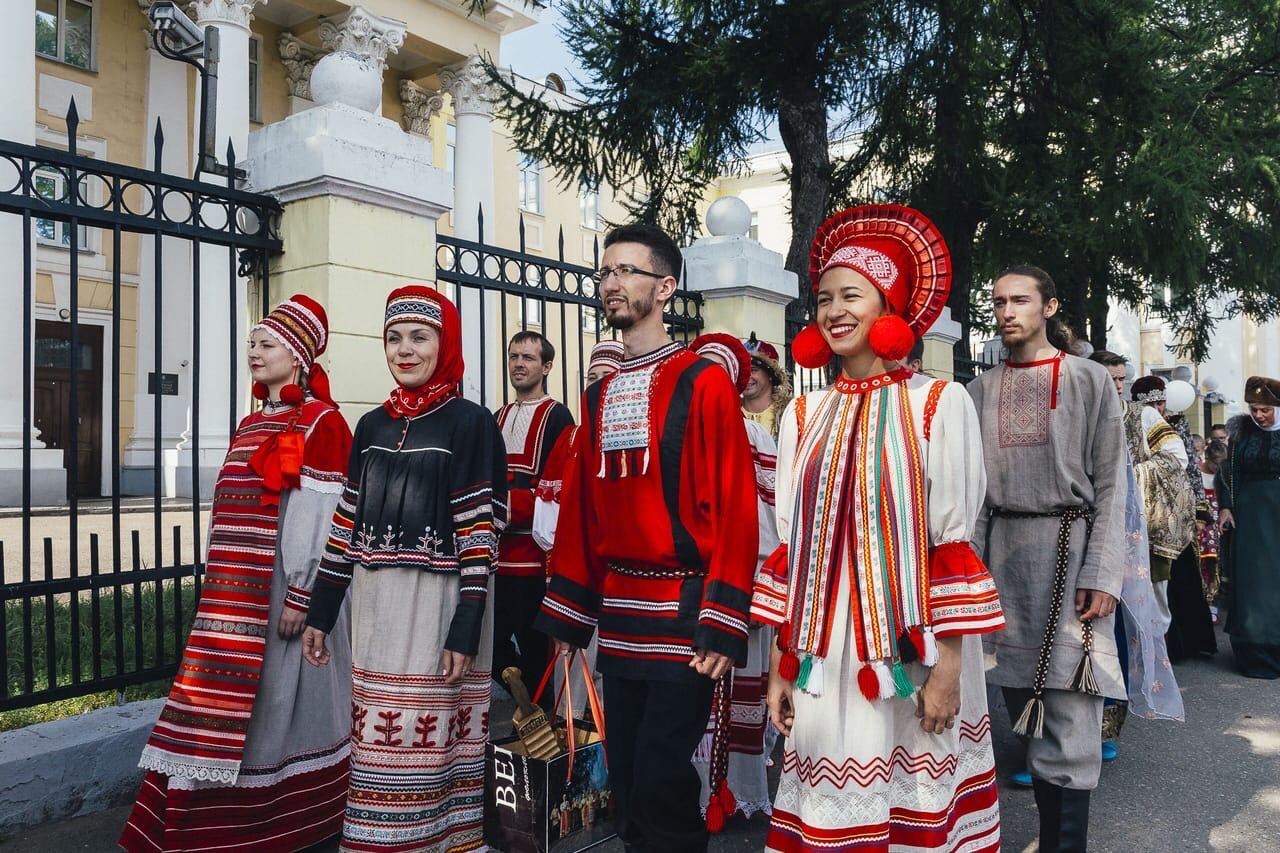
(52, 184)
(530, 184)
(589, 202)
(64, 31)
(450, 146)
(530, 307)
(754, 232)
(255, 78)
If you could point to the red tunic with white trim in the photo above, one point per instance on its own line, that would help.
(657, 534)
(529, 431)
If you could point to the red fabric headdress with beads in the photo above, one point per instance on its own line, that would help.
(899, 251)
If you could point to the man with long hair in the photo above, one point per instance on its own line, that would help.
(1053, 537)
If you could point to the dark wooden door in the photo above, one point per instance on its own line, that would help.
(52, 399)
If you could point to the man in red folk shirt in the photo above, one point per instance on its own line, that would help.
(662, 454)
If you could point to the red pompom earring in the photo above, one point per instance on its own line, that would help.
(292, 394)
(260, 391)
(891, 338)
(810, 349)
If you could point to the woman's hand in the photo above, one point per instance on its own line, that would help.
(1226, 521)
(938, 701)
(454, 665)
(781, 710)
(292, 623)
(313, 647)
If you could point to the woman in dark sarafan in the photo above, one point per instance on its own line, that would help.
(1248, 492)
(414, 536)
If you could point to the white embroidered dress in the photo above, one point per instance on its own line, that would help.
(861, 774)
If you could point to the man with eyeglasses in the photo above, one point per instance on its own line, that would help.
(662, 455)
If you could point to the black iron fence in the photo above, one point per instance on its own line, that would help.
(71, 627)
(515, 290)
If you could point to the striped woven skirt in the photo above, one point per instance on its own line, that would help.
(859, 775)
(417, 744)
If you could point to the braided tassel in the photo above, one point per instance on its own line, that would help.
(1082, 679)
(930, 647)
(806, 667)
(1032, 720)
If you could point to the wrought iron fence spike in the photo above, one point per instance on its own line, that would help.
(73, 121)
(159, 145)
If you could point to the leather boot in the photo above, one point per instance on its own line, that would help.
(1074, 830)
(1049, 804)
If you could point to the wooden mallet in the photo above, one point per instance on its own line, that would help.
(530, 721)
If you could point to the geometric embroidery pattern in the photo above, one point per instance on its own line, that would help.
(1024, 405)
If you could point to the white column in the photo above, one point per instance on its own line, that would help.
(468, 83)
(18, 124)
(167, 102)
(218, 330)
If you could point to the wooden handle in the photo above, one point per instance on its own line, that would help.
(515, 683)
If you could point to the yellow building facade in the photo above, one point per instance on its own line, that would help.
(100, 53)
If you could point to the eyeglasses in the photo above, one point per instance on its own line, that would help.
(601, 275)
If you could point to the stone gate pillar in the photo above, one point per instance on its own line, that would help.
(361, 202)
(745, 286)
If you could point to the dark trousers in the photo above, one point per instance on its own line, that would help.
(515, 642)
(653, 729)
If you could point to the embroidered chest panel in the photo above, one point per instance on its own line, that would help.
(624, 417)
(1025, 399)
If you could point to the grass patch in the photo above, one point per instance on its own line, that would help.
(133, 628)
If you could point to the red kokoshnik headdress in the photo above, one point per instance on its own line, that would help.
(899, 251)
(416, 303)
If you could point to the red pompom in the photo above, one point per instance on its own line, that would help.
(789, 666)
(810, 349)
(715, 816)
(260, 391)
(292, 394)
(891, 338)
(868, 683)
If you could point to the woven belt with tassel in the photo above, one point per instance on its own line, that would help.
(1031, 722)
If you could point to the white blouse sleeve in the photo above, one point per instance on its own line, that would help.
(784, 490)
(957, 475)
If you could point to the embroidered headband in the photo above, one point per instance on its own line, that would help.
(301, 325)
(414, 304)
(606, 354)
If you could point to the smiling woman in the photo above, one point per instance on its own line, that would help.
(414, 539)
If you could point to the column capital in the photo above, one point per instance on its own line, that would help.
(298, 58)
(419, 106)
(365, 35)
(469, 85)
(236, 12)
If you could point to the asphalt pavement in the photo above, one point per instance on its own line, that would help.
(1211, 783)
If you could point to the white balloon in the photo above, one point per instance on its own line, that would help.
(1179, 396)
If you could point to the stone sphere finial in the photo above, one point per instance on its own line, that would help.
(729, 217)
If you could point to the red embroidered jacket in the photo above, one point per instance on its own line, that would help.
(658, 544)
(534, 431)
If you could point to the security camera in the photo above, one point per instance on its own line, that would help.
(170, 21)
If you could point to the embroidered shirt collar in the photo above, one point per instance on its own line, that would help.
(652, 358)
(845, 385)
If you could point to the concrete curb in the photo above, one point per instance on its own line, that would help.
(65, 768)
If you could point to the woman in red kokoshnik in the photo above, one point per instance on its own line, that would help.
(877, 679)
(415, 537)
(250, 751)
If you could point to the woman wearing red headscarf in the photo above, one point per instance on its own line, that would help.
(250, 751)
(415, 537)
(877, 679)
